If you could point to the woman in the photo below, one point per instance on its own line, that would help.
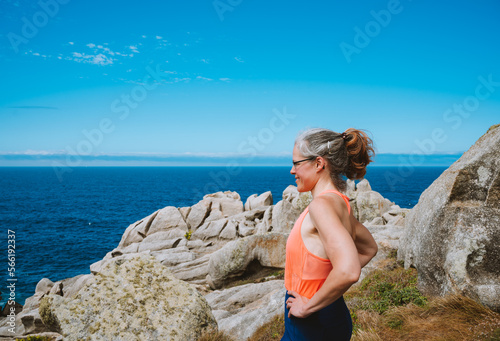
(327, 246)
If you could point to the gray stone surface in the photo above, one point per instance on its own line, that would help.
(167, 218)
(241, 310)
(130, 299)
(255, 201)
(233, 258)
(452, 235)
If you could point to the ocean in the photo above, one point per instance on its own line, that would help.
(63, 225)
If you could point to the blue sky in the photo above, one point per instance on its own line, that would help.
(190, 82)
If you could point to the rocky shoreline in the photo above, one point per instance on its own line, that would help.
(210, 245)
(174, 272)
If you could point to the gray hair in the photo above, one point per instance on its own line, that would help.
(329, 145)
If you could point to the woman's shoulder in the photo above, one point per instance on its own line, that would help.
(327, 202)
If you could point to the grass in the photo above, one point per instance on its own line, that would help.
(391, 286)
(214, 335)
(388, 306)
(271, 331)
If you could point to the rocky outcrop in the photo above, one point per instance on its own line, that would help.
(241, 310)
(233, 259)
(452, 234)
(367, 204)
(255, 201)
(130, 299)
(286, 211)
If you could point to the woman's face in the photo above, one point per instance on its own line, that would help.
(305, 172)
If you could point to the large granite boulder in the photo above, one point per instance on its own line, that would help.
(228, 203)
(286, 211)
(232, 259)
(130, 299)
(137, 231)
(365, 203)
(255, 201)
(241, 310)
(452, 235)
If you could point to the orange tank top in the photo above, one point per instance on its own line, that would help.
(305, 272)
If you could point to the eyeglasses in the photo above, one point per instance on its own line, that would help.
(295, 163)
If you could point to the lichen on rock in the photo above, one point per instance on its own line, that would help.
(131, 299)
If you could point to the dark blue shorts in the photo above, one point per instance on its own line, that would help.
(332, 323)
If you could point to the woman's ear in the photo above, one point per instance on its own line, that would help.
(321, 163)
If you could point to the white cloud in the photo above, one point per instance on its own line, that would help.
(99, 59)
(238, 59)
(71, 43)
(224, 79)
(159, 37)
(204, 78)
(100, 55)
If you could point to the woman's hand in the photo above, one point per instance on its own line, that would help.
(296, 305)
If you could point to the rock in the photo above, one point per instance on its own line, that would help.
(351, 188)
(96, 267)
(137, 231)
(130, 299)
(398, 221)
(286, 211)
(195, 244)
(247, 203)
(241, 310)
(386, 236)
(161, 244)
(174, 256)
(198, 213)
(57, 288)
(167, 218)
(184, 211)
(44, 286)
(132, 248)
(33, 323)
(377, 221)
(47, 336)
(451, 235)
(7, 308)
(194, 271)
(254, 201)
(210, 229)
(370, 204)
(246, 228)
(229, 202)
(215, 213)
(230, 231)
(71, 286)
(266, 224)
(232, 259)
(363, 186)
(174, 233)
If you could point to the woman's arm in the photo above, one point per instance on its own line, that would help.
(341, 251)
(365, 244)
